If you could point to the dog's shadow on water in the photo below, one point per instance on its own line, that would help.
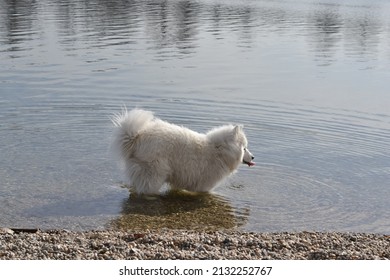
(179, 210)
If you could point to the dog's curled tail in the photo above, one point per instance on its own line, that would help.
(128, 125)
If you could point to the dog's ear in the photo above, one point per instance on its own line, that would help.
(237, 129)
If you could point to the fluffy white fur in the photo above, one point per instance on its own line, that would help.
(155, 152)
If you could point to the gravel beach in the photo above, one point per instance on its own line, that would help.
(180, 244)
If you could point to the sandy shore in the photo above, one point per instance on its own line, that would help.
(179, 244)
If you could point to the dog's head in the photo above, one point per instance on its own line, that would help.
(232, 145)
(239, 135)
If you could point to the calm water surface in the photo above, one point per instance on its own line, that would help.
(308, 79)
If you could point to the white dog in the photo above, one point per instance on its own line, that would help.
(155, 152)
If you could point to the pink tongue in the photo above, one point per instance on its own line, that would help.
(251, 163)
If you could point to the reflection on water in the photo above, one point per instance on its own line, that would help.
(358, 25)
(308, 79)
(178, 210)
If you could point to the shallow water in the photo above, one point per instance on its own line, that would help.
(307, 79)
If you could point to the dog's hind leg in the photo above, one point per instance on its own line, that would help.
(149, 186)
(149, 178)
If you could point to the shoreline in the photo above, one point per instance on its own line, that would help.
(190, 245)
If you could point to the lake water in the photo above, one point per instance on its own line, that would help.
(309, 80)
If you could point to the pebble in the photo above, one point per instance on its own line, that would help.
(181, 244)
